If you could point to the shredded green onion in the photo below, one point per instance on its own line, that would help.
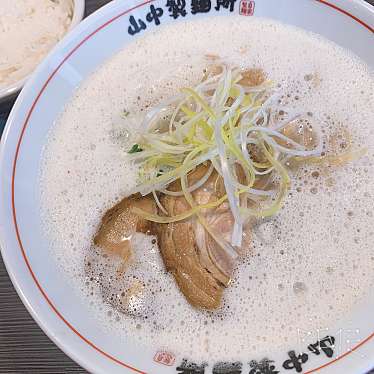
(135, 148)
(221, 122)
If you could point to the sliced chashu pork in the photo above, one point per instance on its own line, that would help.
(199, 265)
(119, 224)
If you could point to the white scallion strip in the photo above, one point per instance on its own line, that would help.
(230, 190)
(159, 203)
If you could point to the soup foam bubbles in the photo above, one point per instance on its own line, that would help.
(307, 266)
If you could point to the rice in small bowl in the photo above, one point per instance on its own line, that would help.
(29, 29)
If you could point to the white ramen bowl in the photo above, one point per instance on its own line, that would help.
(53, 304)
(12, 89)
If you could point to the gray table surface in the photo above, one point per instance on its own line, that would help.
(24, 348)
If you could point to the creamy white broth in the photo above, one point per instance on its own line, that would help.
(307, 266)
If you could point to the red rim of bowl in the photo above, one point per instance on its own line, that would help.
(48, 300)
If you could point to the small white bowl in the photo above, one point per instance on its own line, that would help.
(8, 91)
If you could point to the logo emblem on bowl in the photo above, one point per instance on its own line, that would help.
(246, 7)
(164, 358)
